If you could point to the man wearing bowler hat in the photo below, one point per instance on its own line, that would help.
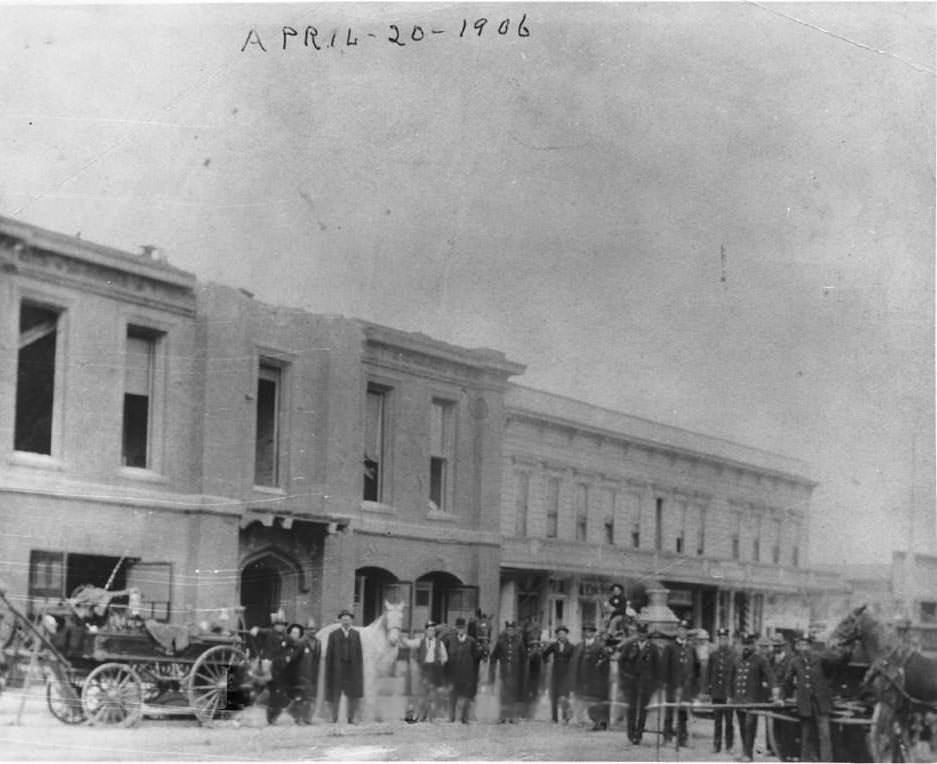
(344, 667)
(561, 651)
(462, 670)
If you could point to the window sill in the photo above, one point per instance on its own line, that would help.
(143, 475)
(270, 490)
(36, 461)
(377, 507)
(438, 514)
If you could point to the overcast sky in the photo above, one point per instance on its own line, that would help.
(718, 216)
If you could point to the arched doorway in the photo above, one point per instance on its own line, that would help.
(266, 586)
(373, 585)
(442, 597)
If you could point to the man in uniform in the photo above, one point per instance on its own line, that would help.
(305, 671)
(681, 679)
(720, 676)
(561, 676)
(808, 679)
(640, 666)
(462, 668)
(511, 653)
(753, 684)
(279, 651)
(344, 667)
(590, 668)
(783, 733)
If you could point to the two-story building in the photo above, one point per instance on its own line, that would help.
(594, 497)
(213, 450)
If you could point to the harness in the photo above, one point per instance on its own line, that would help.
(892, 668)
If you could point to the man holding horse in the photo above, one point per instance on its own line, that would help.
(808, 679)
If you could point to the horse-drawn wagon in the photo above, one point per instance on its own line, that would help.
(104, 664)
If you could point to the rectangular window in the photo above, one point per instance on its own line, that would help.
(756, 538)
(35, 378)
(46, 574)
(795, 552)
(929, 612)
(636, 523)
(701, 531)
(681, 531)
(776, 547)
(582, 512)
(522, 500)
(441, 448)
(553, 507)
(266, 454)
(374, 442)
(138, 397)
(659, 524)
(609, 516)
(736, 535)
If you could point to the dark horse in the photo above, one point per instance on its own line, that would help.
(903, 681)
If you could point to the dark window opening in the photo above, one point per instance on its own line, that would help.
(265, 455)
(521, 504)
(138, 396)
(929, 612)
(437, 481)
(553, 508)
(659, 525)
(441, 448)
(582, 513)
(756, 550)
(609, 530)
(374, 443)
(635, 538)
(735, 547)
(35, 379)
(679, 545)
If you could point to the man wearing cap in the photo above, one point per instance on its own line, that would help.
(681, 679)
(462, 671)
(639, 666)
(279, 651)
(783, 732)
(560, 650)
(510, 654)
(720, 677)
(808, 679)
(590, 667)
(431, 658)
(753, 683)
(305, 671)
(344, 667)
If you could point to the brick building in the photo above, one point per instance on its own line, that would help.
(214, 450)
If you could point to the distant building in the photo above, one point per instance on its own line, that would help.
(215, 451)
(593, 497)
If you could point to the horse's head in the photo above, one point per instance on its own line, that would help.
(393, 620)
(850, 630)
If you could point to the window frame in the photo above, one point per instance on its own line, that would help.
(385, 392)
(552, 506)
(282, 365)
(448, 408)
(158, 337)
(62, 306)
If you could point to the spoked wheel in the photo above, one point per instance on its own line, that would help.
(216, 674)
(64, 702)
(113, 694)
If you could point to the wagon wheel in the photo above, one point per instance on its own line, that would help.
(113, 694)
(64, 702)
(216, 673)
(885, 738)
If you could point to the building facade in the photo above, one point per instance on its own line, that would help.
(218, 452)
(594, 497)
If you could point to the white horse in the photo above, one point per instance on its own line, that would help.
(380, 643)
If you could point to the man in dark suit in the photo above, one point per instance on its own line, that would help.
(808, 679)
(753, 684)
(590, 667)
(344, 667)
(720, 676)
(511, 653)
(640, 668)
(462, 671)
(681, 677)
(561, 675)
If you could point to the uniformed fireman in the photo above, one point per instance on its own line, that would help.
(752, 685)
(720, 674)
(681, 677)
